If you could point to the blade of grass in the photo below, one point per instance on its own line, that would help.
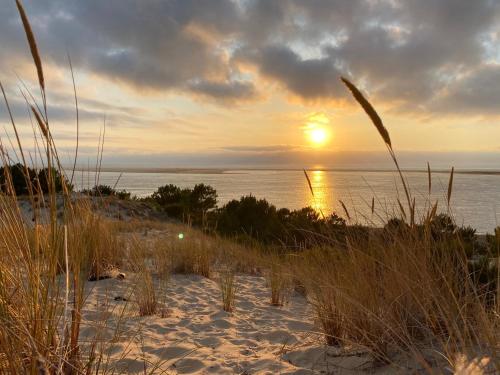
(77, 119)
(450, 186)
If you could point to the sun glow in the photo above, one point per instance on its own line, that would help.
(316, 129)
(318, 136)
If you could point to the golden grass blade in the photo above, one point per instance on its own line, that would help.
(309, 183)
(450, 185)
(370, 111)
(345, 209)
(429, 177)
(77, 120)
(433, 211)
(412, 212)
(401, 208)
(32, 43)
(41, 123)
(97, 157)
(117, 180)
(102, 151)
(312, 192)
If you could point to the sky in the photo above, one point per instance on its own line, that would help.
(255, 83)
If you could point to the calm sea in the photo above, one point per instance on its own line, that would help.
(475, 199)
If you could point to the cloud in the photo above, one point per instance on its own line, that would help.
(309, 79)
(232, 90)
(64, 112)
(260, 149)
(403, 53)
(147, 46)
(476, 91)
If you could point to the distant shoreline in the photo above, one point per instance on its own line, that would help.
(242, 170)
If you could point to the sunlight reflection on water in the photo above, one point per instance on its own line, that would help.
(321, 200)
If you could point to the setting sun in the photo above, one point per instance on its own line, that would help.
(318, 136)
(316, 129)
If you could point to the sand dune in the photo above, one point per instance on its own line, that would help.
(195, 335)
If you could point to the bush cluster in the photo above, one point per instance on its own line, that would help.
(248, 219)
(38, 179)
(189, 205)
(106, 191)
(257, 219)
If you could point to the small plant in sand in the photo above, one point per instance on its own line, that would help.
(227, 286)
(145, 294)
(140, 262)
(279, 284)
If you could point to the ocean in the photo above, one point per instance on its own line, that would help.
(475, 200)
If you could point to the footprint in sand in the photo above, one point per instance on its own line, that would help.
(172, 352)
(210, 342)
(297, 325)
(128, 365)
(189, 365)
(279, 337)
(201, 327)
(222, 324)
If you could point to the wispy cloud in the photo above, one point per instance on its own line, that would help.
(261, 149)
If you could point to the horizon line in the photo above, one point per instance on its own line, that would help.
(204, 170)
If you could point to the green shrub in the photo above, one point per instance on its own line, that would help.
(106, 191)
(190, 205)
(253, 217)
(257, 219)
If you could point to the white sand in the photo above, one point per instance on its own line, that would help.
(196, 336)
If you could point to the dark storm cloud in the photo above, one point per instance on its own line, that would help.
(425, 54)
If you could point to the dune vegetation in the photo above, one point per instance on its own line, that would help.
(419, 294)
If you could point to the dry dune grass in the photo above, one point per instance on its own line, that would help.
(145, 294)
(227, 286)
(278, 281)
(189, 255)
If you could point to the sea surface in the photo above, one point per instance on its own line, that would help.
(475, 198)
